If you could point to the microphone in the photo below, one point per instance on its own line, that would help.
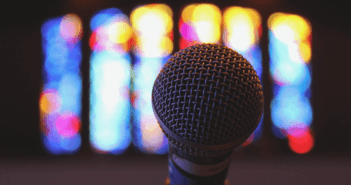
(208, 100)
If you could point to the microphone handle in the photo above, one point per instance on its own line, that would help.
(185, 169)
(168, 182)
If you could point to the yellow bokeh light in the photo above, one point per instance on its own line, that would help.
(165, 8)
(300, 26)
(71, 27)
(207, 12)
(276, 17)
(207, 32)
(241, 39)
(154, 47)
(233, 14)
(241, 25)
(289, 27)
(295, 31)
(119, 32)
(152, 20)
(153, 24)
(254, 16)
(187, 13)
(206, 19)
(305, 51)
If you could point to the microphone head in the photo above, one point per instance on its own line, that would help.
(207, 99)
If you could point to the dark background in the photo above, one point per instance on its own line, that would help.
(20, 80)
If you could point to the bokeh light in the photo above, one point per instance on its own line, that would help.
(300, 139)
(67, 125)
(71, 28)
(200, 23)
(149, 35)
(290, 107)
(242, 28)
(242, 32)
(110, 66)
(290, 55)
(60, 100)
(151, 134)
(148, 136)
(49, 101)
(153, 25)
(289, 27)
(111, 31)
(119, 32)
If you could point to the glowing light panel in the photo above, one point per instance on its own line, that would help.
(110, 66)
(154, 43)
(290, 56)
(60, 99)
(200, 23)
(242, 32)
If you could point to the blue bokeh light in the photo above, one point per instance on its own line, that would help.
(147, 140)
(103, 17)
(289, 108)
(110, 105)
(61, 74)
(71, 145)
(69, 88)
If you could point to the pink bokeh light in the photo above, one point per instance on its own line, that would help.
(68, 125)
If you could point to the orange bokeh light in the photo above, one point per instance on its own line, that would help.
(49, 101)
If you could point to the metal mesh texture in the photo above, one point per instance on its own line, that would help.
(207, 94)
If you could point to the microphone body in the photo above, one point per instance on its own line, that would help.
(184, 169)
(208, 100)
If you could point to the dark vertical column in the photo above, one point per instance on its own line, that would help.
(85, 65)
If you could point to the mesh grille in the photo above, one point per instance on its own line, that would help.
(208, 94)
